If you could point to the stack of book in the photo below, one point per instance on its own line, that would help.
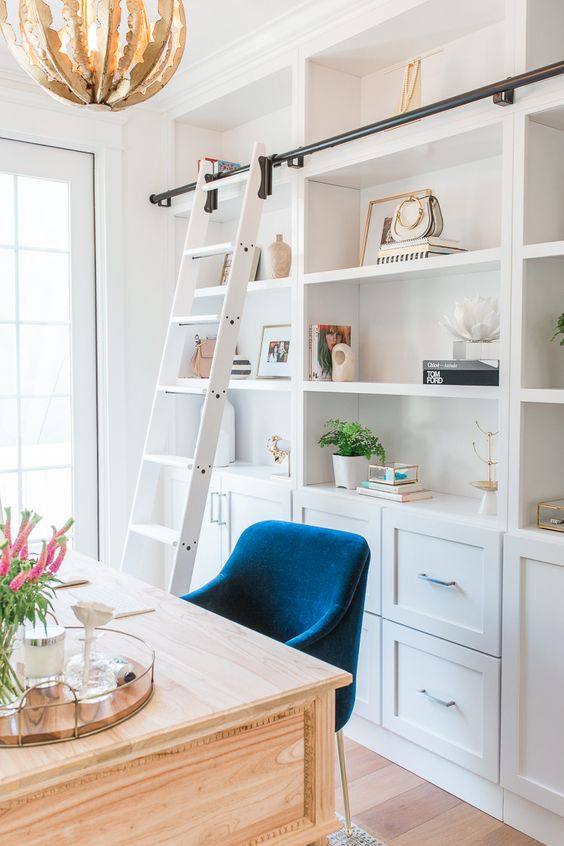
(459, 371)
(394, 251)
(407, 492)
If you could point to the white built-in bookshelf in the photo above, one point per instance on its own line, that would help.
(498, 173)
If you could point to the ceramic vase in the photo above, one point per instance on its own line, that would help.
(279, 258)
(350, 471)
(342, 360)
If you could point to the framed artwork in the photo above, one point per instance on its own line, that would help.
(274, 355)
(379, 216)
(228, 260)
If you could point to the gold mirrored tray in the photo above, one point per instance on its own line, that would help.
(54, 712)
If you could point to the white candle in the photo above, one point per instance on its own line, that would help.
(44, 652)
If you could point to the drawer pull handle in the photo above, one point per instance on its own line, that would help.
(438, 701)
(433, 581)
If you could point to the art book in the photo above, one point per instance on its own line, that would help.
(322, 338)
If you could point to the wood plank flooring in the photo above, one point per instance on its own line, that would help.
(404, 810)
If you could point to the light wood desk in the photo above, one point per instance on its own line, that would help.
(236, 748)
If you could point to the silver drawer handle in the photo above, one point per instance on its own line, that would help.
(438, 701)
(213, 495)
(433, 581)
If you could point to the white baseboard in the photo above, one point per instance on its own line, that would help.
(537, 822)
(467, 786)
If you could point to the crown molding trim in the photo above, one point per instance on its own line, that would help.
(264, 50)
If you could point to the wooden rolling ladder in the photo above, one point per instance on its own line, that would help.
(213, 390)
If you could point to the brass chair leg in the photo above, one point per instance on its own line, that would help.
(344, 781)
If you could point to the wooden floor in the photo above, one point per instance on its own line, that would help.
(404, 810)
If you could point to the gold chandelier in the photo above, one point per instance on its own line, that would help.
(106, 54)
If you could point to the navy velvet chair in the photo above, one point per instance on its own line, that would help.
(304, 586)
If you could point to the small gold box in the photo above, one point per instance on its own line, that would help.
(551, 515)
(393, 474)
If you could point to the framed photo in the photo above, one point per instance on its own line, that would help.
(228, 260)
(379, 216)
(274, 355)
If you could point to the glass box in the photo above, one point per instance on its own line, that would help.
(551, 515)
(394, 473)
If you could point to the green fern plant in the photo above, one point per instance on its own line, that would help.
(352, 439)
(559, 330)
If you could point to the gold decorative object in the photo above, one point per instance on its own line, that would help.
(489, 486)
(550, 515)
(411, 88)
(280, 449)
(393, 474)
(101, 53)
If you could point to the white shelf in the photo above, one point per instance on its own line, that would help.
(460, 508)
(544, 395)
(404, 389)
(229, 198)
(261, 286)
(548, 249)
(263, 472)
(200, 386)
(473, 261)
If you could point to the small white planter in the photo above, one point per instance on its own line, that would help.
(350, 471)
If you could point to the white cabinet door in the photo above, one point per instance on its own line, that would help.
(442, 696)
(363, 518)
(442, 577)
(245, 501)
(208, 557)
(368, 680)
(532, 748)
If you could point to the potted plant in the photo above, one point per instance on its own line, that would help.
(27, 583)
(559, 330)
(355, 446)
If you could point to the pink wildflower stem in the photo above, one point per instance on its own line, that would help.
(24, 533)
(18, 580)
(54, 568)
(7, 527)
(37, 570)
(5, 560)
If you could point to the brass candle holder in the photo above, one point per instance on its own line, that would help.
(489, 486)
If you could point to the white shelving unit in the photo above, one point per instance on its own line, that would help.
(498, 174)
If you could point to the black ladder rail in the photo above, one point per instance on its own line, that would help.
(501, 92)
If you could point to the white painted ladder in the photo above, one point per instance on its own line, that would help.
(214, 390)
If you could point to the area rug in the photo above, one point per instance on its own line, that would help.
(357, 838)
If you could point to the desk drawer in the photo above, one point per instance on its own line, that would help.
(443, 697)
(443, 578)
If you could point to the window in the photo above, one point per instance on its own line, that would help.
(48, 454)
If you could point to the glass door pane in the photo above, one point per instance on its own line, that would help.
(48, 427)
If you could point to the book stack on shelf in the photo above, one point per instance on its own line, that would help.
(459, 371)
(395, 482)
(396, 251)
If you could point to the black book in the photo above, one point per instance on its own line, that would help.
(452, 376)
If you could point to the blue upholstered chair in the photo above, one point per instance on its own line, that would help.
(304, 586)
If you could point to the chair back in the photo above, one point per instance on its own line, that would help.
(302, 585)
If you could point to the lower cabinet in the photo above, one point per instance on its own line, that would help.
(368, 703)
(234, 503)
(532, 743)
(347, 515)
(442, 696)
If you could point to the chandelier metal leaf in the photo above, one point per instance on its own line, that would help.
(106, 54)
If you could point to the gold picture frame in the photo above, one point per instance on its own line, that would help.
(369, 224)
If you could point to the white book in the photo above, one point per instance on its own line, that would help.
(424, 494)
(407, 487)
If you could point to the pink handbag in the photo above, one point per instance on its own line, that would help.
(203, 357)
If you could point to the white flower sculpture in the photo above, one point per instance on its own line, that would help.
(475, 319)
(91, 615)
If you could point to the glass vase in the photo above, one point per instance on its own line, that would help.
(11, 683)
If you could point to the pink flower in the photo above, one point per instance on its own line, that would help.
(18, 580)
(5, 560)
(60, 557)
(29, 521)
(55, 538)
(7, 528)
(37, 570)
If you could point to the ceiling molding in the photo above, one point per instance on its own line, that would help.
(260, 52)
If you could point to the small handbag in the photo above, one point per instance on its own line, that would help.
(417, 217)
(203, 357)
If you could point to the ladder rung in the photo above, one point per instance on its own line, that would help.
(196, 320)
(226, 180)
(156, 532)
(196, 388)
(210, 250)
(170, 460)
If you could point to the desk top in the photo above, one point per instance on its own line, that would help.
(210, 673)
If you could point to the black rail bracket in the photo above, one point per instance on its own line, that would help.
(162, 204)
(265, 190)
(298, 161)
(504, 98)
(211, 200)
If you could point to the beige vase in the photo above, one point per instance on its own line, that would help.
(279, 258)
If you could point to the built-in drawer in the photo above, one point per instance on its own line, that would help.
(368, 702)
(348, 514)
(442, 696)
(443, 578)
